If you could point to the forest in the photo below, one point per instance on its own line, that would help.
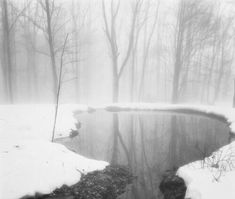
(102, 51)
(128, 99)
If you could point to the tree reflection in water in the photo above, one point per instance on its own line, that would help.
(149, 143)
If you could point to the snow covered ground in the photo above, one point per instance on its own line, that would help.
(29, 162)
(213, 177)
(30, 166)
(36, 121)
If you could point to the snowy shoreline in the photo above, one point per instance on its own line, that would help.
(29, 162)
(37, 166)
(212, 177)
(28, 159)
(224, 114)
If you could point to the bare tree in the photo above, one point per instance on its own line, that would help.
(59, 86)
(226, 58)
(111, 34)
(10, 17)
(50, 25)
(7, 59)
(118, 66)
(48, 8)
(29, 38)
(195, 25)
(148, 36)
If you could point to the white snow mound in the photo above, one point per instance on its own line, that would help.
(30, 166)
(29, 162)
(213, 177)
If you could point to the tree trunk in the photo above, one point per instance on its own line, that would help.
(177, 72)
(234, 93)
(178, 61)
(220, 75)
(7, 51)
(51, 47)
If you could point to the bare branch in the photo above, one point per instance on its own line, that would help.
(59, 86)
(131, 37)
(107, 31)
(19, 15)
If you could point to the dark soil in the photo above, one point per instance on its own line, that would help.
(106, 184)
(172, 186)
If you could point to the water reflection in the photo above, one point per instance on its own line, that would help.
(150, 143)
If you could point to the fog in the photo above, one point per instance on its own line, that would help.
(94, 51)
(68, 65)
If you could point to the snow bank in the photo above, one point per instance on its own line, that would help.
(213, 177)
(36, 121)
(30, 166)
(29, 163)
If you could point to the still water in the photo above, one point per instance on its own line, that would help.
(148, 142)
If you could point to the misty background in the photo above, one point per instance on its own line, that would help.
(117, 51)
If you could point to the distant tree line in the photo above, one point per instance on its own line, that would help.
(184, 53)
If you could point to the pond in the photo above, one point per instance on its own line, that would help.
(148, 142)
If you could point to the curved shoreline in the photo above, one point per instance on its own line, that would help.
(194, 173)
(33, 124)
(222, 114)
